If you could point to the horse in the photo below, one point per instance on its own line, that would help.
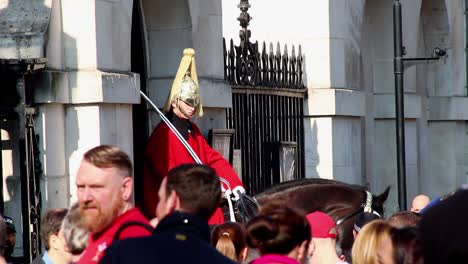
(342, 201)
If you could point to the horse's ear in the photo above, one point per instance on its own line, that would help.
(381, 198)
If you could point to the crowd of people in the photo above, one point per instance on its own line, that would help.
(105, 227)
(181, 220)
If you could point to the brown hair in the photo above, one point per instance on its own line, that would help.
(198, 188)
(404, 219)
(106, 156)
(366, 243)
(75, 234)
(278, 229)
(229, 239)
(407, 246)
(50, 224)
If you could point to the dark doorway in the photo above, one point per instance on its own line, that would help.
(140, 122)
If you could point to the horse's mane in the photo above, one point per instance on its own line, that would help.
(307, 181)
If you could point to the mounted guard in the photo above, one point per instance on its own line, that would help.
(176, 140)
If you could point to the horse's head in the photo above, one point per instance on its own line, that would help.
(379, 200)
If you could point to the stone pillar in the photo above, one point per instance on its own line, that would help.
(335, 91)
(86, 93)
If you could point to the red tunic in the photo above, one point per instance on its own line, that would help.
(164, 152)
(99, 242)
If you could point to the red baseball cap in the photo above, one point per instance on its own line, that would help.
(321, 225)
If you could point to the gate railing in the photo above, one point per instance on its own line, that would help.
(267, 112)
(244, 65)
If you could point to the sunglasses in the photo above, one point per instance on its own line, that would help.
(191, 102)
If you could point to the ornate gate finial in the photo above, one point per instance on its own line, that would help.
(244, 19)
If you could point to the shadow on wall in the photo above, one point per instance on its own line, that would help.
(311, 148)
(312, 158)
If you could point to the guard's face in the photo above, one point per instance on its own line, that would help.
(183, 108)
(99, 195)
(187, 100)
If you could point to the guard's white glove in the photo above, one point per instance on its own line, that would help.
(237, 192)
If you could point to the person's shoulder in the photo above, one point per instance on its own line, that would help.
(130, 245)
(134, 224)
(158, 129)
(136, 214)
(223, 260)
(122, 251)
(161, 126)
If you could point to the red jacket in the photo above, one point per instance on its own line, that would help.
(164, 152)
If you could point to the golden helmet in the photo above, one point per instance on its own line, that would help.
(185, 86)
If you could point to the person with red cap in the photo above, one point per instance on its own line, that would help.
(322, 247)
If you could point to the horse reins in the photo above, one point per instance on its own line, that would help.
(365, 207)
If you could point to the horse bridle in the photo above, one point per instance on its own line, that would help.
(365, 207)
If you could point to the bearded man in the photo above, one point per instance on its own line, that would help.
(104, 187)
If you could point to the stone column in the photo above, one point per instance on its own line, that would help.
(85, 95)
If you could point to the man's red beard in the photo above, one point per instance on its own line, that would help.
(98, 218)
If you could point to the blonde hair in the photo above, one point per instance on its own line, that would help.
(229, 239)
(366, 243)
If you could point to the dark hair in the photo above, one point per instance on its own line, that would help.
(362, 219)
(444, 231)
(407, 246)
(229, 239)
(106, 156)
(404, 219)
(198, 188)
(75, 234)
(278, 229)
(50, 224)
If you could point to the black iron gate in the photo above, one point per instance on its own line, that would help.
(267, 113)
(31, 167)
